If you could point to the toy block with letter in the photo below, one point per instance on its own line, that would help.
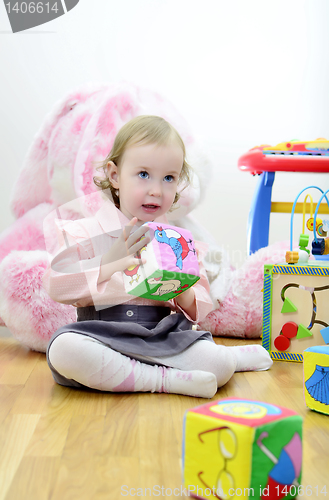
(316, 378)
(242, 448)
(295, 308)
(171, 264)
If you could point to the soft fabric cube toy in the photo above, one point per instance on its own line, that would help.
(171, 264)
(316, 378)
(242, 448)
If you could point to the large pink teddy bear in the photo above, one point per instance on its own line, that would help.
(59, 167)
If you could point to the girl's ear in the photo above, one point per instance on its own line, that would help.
(113, 173)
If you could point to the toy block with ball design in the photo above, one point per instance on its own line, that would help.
(316, 378)
(295, 310)
(239, 448)
(171, 264)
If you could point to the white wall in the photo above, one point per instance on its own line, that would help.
(242, 72)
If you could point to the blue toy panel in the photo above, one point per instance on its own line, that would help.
(259, 215)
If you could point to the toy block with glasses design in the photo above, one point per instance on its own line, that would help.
(171, 264)
(242, 448)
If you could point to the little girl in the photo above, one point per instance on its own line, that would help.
(138, 344)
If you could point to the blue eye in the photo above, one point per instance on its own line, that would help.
(143, 175)
(169, 178)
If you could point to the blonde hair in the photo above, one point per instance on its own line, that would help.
(145, 129)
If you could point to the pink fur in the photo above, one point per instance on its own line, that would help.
(27, 310)
(76, 135)
(26, 192)
(26, 233)
(240, 313)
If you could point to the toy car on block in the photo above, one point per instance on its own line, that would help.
(239, 448)
(295, 308)
(171, 264)
(316, 378)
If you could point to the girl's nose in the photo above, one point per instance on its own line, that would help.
(155, 189)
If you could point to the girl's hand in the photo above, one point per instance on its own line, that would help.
(123, 253)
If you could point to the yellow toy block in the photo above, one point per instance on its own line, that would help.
(316, 378)
(239, 448)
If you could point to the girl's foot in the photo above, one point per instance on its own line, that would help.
(251, 358)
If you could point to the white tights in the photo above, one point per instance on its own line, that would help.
(196, 371)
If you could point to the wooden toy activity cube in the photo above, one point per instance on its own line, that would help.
(296, 294)
(171, 264)
(239, 448)
(316, 378)
(295, 308)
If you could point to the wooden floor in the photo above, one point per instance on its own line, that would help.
(57, 443)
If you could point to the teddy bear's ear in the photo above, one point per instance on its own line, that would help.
(112, 108)
(32, 186)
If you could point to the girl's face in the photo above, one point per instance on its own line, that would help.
(147, 179)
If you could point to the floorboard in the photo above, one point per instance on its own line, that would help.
(58, 443)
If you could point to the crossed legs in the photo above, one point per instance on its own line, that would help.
(196, 371)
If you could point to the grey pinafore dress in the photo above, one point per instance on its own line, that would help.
(132, 330)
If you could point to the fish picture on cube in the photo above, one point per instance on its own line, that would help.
(171, 264)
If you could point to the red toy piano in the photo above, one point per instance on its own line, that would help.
(265, 160)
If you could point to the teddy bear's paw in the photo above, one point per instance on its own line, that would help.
(234, 318)
(26, 308)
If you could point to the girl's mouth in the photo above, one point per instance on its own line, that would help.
(150, 208)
